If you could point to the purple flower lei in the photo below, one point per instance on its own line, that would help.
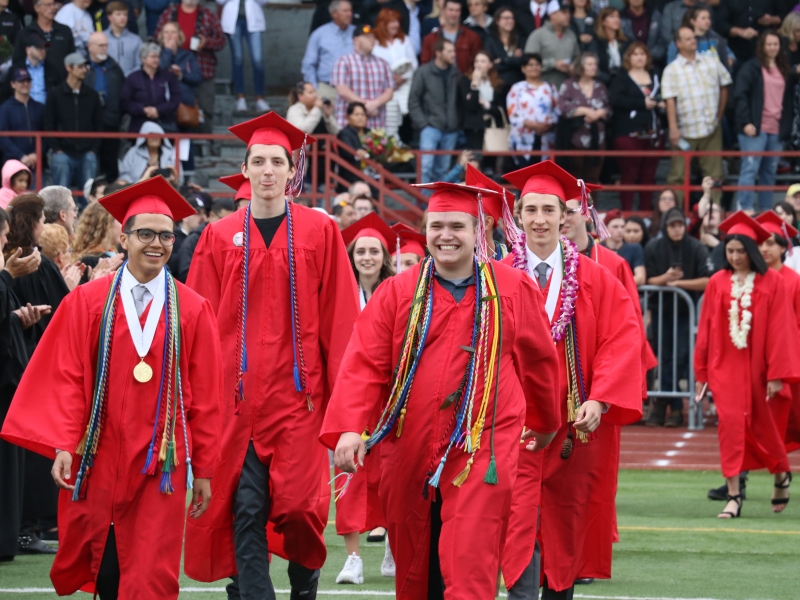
(569, 285)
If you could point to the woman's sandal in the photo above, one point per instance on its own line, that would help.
(783, 485)
(726, 514)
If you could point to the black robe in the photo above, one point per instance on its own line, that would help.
(13, 359)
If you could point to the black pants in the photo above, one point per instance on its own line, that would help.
(12, 470)
(435, 579)
(250, 513)
(527, 586)
(548, 594)
(108, 576)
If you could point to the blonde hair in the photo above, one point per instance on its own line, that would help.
(181, 37)
(91, 234)
(54, 239)
(791, 23)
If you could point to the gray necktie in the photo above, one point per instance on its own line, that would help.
(141, 298)
(541, 271)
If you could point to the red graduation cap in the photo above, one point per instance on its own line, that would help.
(742, 224)
(271, 129)
(240, 183)
(493, 205)
(410, 241)
(152, 196)
(545, 177)
(770, 221)
(452, 197)
(370, 226)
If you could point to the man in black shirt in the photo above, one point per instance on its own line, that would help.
(58, 38)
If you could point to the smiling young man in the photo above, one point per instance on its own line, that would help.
(118, 381)
(471, 336)
(279, 279)
(570, 487)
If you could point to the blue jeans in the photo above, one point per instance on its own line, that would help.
(236, 42)
(65, 168)
(763, 166)
(434, 167)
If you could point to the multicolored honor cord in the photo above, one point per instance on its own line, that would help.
(170, 394)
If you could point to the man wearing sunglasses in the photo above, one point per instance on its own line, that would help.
(73, 106)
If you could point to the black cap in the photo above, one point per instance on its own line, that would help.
(20, 74)
(34, 39)
(563, 6)
(363, 30)
(198, 200)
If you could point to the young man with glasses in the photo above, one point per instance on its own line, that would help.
(118, 384)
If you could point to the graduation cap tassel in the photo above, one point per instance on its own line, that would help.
(513, 233)
(398, 263)
(584, 198)
(788, 238)
(295, 187)
(482, 248)
(600, 227)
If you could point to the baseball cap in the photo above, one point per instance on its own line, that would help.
(20, 74)
(34, 39)
(74, 59)
(363, 30)
(793, 189)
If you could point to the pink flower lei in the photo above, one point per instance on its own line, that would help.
(569, 284)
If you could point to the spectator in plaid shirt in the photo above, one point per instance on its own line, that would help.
(198, 22)
(361, 77)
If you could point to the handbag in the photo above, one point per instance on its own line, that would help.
(187, 116)
(495, 139)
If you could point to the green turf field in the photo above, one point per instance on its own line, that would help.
(671, 546)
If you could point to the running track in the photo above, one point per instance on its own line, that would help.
(679, 449)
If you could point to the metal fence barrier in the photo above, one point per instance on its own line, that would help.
(677, 332)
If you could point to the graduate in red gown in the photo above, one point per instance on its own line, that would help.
(595, 327)
(498, 209)
(124, 373)
(279, 280)
(455, 353)
(741, 356)
(411, 248)
(785, 406)
(241, 184)
(358, 508)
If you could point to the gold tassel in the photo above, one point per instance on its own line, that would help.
(162, 453)
(401, 419)
(82, 444)
(582, 436)
(462, 477)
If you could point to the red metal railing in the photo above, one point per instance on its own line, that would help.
(390, 186)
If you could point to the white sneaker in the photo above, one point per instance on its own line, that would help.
(353, 571)
(241, 105)
(387, 566)
(262, 106)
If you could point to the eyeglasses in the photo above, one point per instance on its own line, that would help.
(148, 235)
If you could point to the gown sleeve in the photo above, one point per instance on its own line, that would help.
(338, 300)
(204, 278)
(50, 407)
(704, 332)
(618, 352)
(203, 415)
(366, 368)
(535, 359)
(782, 341)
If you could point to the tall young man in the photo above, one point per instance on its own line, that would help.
(456, 350)
(278, 277)
(120, 378)
(597, 338)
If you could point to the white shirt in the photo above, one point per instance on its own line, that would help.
(142, 338)
(81, 24)
(545, 8)
(414, 28)
(554, 270)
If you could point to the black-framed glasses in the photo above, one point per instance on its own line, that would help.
(148, 235)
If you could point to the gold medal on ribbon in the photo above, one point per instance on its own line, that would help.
(142, 372)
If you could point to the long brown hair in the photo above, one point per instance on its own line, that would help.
(25, 211)
(381, 29)
(494, 29)
(691, 15)
(387, 266)
(780, 60)
(601, 31)
(494, 78)
(91, 234)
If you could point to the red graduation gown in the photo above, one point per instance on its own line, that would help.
(51, 408)
(792, 418)
(748, 435)
(576, 495)
(274, 415)
(474, 516)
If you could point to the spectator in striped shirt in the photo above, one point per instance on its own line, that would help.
(695, 87)
(361, 77)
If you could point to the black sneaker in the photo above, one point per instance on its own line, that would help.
(584, 581)
(49, 536)
(30, 544)
(721, 493)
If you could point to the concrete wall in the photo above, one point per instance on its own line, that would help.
(284, 44)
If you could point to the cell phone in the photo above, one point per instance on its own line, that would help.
(684, 145)
(194, 43)
(677, 265)
(165, 173)
(718, 183)
(327, 101)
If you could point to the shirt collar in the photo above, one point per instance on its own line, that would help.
(552, 260)
(129, 282)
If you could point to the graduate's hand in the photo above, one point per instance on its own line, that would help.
(19, 267)
(588, 417)
(540, 440)
(62, 470)
(201, 496)
(774, 387)
(349, 449)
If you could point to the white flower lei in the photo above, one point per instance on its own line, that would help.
(740, 294)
